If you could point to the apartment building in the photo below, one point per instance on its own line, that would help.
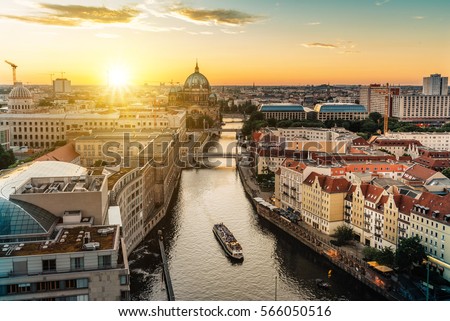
(323, 201)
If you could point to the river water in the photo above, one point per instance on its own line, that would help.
(275, 266)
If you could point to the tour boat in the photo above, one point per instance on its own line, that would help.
(228, 241)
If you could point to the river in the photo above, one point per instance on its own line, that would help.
(276, 266)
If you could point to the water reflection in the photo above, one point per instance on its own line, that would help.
(200, 269)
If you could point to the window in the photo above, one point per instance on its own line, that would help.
(12, 288)
(104, 261)
(48, 265)
(82, 283)
(41, 286)
(76, 263)
(24, 287)
(53, 285)
(123, 279)
(71, 284)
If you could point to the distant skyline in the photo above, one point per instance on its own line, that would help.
(236, 42)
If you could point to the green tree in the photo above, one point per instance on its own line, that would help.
(446, 172)
(256, 115)
(284, 123)
(7, 158)
(409, 251)
(343, 234)
(375, 117)
(370, 253)
(386, 256)
(272, 122)
(369, 127)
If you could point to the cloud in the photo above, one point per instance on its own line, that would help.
(231, 32)
(107, 35)
(380, 3)
(418, 17)
(341, 46)
(319, 45)
(75, 15)
(316, 23)
(216, 16)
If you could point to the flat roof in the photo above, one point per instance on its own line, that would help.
(68, 240)
(12, 179)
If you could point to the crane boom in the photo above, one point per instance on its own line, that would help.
(14, 66)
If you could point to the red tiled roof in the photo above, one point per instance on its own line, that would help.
(433, 163)
(64, 153)
(371, 192)
(404, 203)
(418, 172)
(435, 203)
(328, 184)
(293, 164)
(396, 142)
(360, 142)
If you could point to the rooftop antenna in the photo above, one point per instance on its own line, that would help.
(14, 66)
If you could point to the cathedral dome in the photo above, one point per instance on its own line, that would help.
(19, 92)
(196, 81)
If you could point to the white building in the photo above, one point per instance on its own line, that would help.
(438, 141)
(20, 99)
(62, 86)
(435, 85)
(421, 108)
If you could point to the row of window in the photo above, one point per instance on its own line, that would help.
(21, 288)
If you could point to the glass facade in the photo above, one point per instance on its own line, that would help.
(19, 218)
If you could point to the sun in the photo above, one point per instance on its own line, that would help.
(118, 76)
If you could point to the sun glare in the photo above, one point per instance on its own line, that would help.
(118, 77)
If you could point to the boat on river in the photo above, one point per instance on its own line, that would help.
(322, 284)
(228, 241)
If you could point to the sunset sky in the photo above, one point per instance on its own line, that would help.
(296, 42)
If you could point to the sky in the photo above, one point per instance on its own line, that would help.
(236, 42)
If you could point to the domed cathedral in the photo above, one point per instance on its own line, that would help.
(196, 96)
(20, 99)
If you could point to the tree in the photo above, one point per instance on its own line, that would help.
(375, 117)
(370, 253)
(386, 256)
(284, 123)
(256, 115)
(7, 158)
(343, 234)
(409, 251)
(272, 122)
(446, 172)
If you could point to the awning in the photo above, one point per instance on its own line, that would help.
(383, 268)
(373, 263)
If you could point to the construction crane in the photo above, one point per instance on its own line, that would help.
(14, 66)
(386, 110)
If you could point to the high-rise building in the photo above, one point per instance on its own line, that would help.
(373, 97)
(61, 86)
(435, 85)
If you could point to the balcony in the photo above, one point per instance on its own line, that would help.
(346, 220)
(378, 235)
